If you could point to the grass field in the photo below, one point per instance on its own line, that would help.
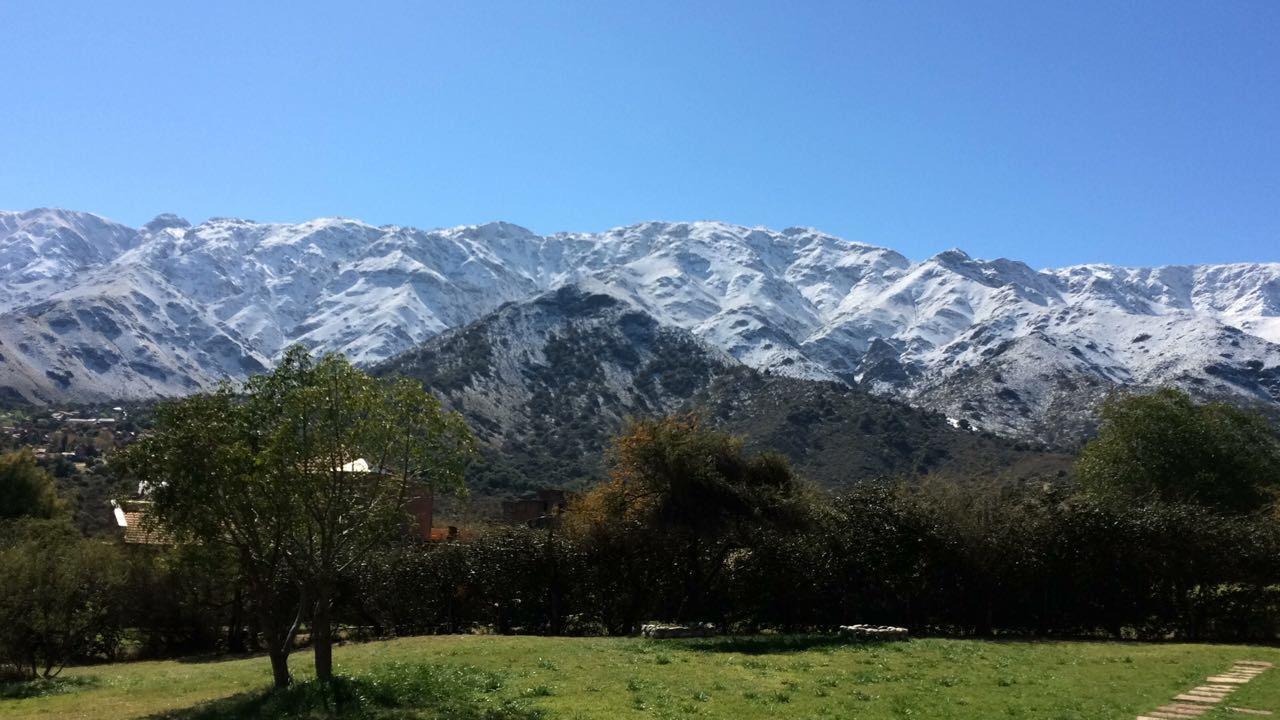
(793, 677)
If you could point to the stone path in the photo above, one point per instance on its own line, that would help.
(1199, 700)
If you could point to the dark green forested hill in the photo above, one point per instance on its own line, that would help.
(835, 434)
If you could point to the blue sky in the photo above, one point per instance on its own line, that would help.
(1057, 133)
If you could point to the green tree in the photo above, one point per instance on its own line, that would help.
(26, 490)
(324, 416)
(272, 472)
(1164, 446)
(211, 484)
(60, 597)
(697, 493)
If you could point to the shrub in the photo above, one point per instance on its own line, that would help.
(26, 490)
(60, 599)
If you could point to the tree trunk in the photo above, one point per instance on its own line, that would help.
(278, 638)
(322, 634)
(983, 626)
(280, 667)
(554, 623)
(235, 626)
(691, 582)
(502, 620)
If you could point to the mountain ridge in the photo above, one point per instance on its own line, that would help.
(90, 308)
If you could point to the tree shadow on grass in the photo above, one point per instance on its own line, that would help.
(305, 700)
(44, 687)
(766, 644)
(210, 658)
(387, 692)
(246, 705)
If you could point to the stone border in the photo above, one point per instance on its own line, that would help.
(873, 632)
(663, 631)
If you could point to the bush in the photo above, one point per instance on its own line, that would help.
(26, 490)
(42, 687)
(510, 579)
(60, 601)
(183, 600)
(946, 559)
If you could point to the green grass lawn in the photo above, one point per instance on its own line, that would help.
(725, 678)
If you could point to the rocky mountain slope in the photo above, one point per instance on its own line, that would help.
(90, 309)
(546, 382)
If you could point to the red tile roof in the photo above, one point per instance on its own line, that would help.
(136, 531)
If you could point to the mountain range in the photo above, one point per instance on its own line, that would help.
(92, 310)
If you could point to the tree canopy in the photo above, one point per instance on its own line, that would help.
(58, 599)
(692, 493)
(1165, 446)
(273, 472)
(26, 490)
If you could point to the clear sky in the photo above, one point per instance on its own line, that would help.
(1054, 132)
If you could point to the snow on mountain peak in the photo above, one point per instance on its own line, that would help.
(166, 221)
(91, 308)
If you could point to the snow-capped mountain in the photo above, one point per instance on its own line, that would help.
(43, 251)
(547, 382)
(93, 309)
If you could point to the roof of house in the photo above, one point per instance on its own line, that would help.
(359, 465)
(133, 520)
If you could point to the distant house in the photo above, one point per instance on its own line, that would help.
(536, 510)
(131, 516)
(359, 465)
(421, 505)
